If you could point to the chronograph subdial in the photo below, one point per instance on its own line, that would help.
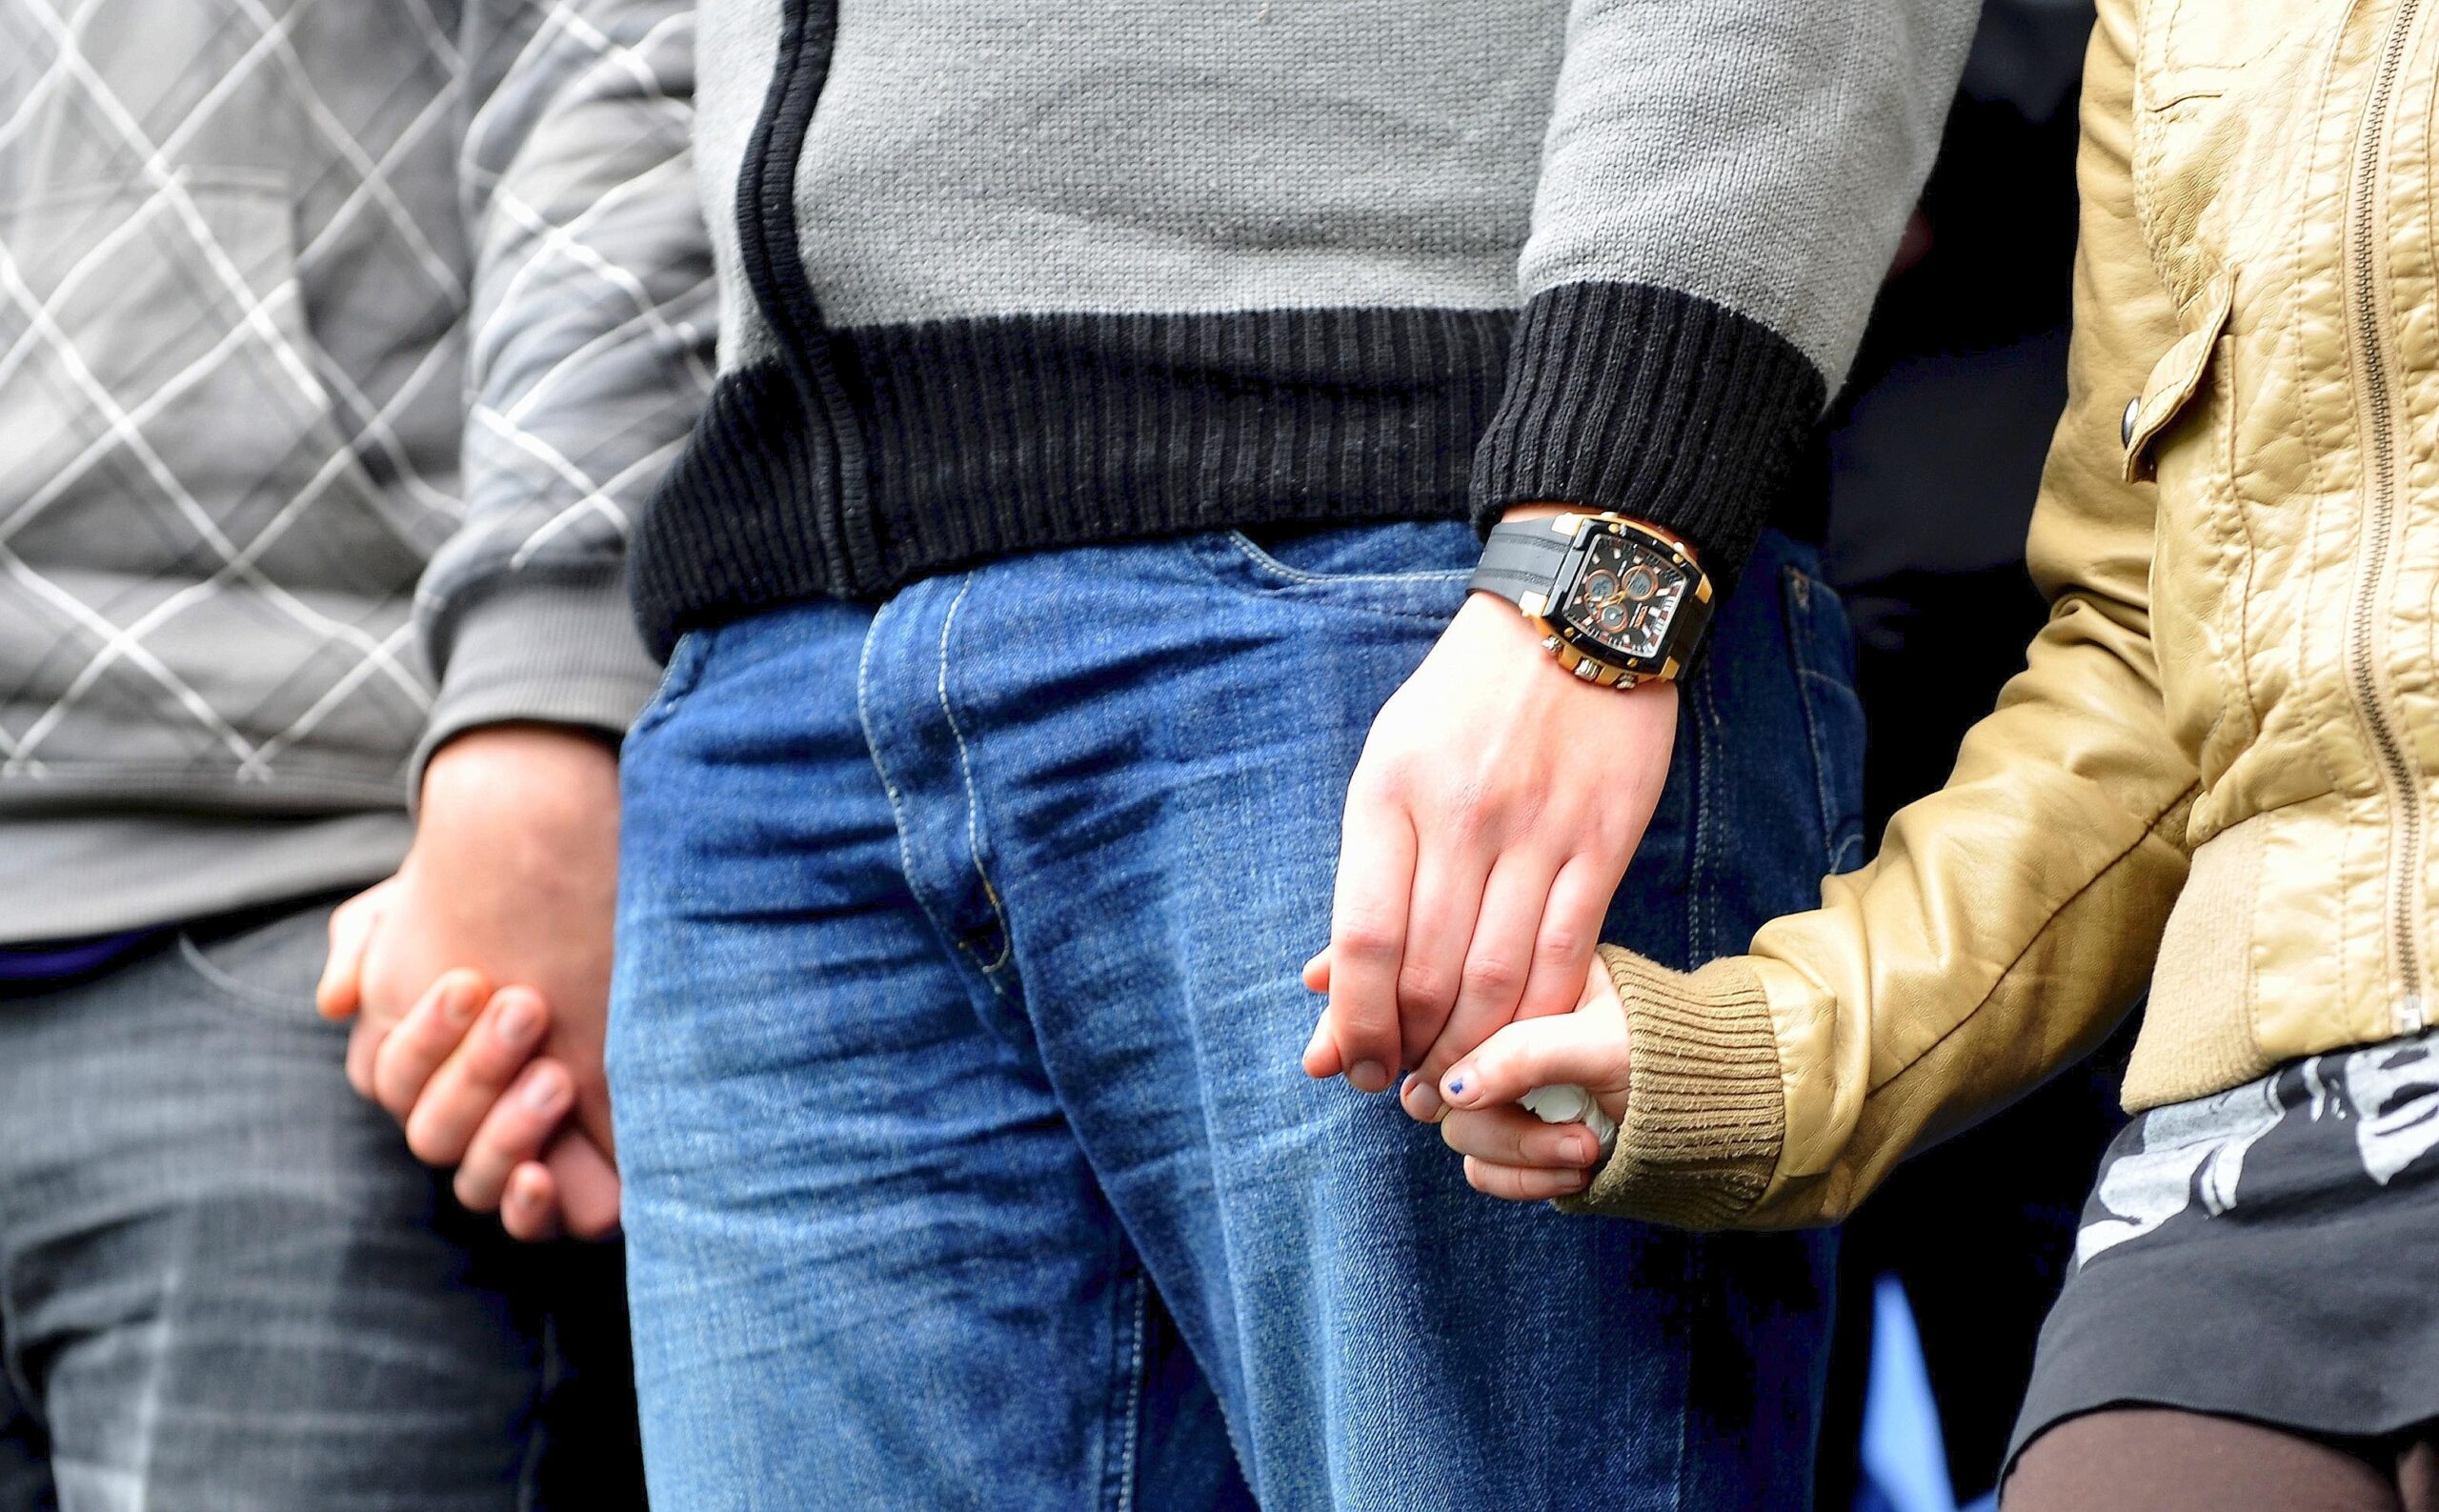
(1624, 598)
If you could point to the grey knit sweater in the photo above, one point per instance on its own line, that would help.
(1003, 275)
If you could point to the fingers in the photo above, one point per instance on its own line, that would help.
(530, 1211)
(1367, 940)
(1586, 1049)
(1506, 1135)
(352, 925)
(363, 1047)
(1447, 899)
(514, 1133)
(588, 1185)
(1498, 960)
(1570, 932)
(460, 1095)
(1321, 1057)
(407, 1056)
(1523, 1183)
(1316, 973)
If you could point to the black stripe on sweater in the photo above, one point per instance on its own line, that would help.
(980, 439)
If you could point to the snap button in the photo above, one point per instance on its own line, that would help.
(2125, 426)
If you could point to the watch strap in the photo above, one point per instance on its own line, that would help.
(1521, 558)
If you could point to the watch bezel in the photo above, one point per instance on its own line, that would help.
(1692, 610)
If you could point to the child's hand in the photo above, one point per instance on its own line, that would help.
(1509, 1152)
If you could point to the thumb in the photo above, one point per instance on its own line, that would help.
(340, 991)
(588, 1185)
(1582, 1049)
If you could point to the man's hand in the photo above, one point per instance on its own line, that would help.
(1489, 822)
(512, 878)
(1511, 1153)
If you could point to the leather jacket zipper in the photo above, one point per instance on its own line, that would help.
(2375, 562)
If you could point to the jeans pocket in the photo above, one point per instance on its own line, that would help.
(1822, 645)
(677, 680)
(269, 967)
(1411, 569)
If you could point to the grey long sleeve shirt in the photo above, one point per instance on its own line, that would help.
(307, 311)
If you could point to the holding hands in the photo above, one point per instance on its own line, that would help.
(1488, 825)
(478, 978)
(1510, 1152)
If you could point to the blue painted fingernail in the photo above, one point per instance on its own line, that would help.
(1456, 1086)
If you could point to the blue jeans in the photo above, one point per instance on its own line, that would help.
(955, 1043)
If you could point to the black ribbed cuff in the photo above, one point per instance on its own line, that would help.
(1653, 403)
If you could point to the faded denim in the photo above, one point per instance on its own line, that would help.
(955, 1043)
(224, 1285)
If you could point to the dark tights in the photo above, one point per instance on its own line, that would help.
(2158, 1459)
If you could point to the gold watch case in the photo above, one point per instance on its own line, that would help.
(1627, 605)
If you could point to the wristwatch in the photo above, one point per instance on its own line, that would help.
(1618, 603)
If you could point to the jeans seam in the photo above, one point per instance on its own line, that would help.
(1685, 1287)
(1287, 579)
(1266, 562)
(898, 801)
(1698, 889)
(1799, 588)
(1121, 1495)
(678, 676)
(261, 1005)
(11, 1365)
(973, 799)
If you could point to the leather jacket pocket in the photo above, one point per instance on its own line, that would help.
(2176, 379)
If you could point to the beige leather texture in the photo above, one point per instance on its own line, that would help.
(2237, 680)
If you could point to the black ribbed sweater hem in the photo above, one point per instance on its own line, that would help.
(932, 447)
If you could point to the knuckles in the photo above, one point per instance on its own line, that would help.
(1495, 978)
(1366, 939)
(1562, 946)
(1424, 989)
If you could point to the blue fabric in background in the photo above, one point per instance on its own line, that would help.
(1905, 1462)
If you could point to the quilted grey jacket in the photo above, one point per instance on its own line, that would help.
(309, 308)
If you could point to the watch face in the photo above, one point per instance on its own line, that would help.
(1624, 598)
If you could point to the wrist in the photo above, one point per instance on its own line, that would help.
(1616, 602)
(551, 768)
(1537, 511)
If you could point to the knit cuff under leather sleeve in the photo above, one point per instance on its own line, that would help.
(1706, 1113)
(1655, 404)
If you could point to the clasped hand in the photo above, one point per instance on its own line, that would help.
(478, 978)
(1488, 825)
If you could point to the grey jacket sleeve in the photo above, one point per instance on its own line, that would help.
(1723, 186)
(589, 352)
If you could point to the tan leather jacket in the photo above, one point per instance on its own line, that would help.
(2216, 772)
